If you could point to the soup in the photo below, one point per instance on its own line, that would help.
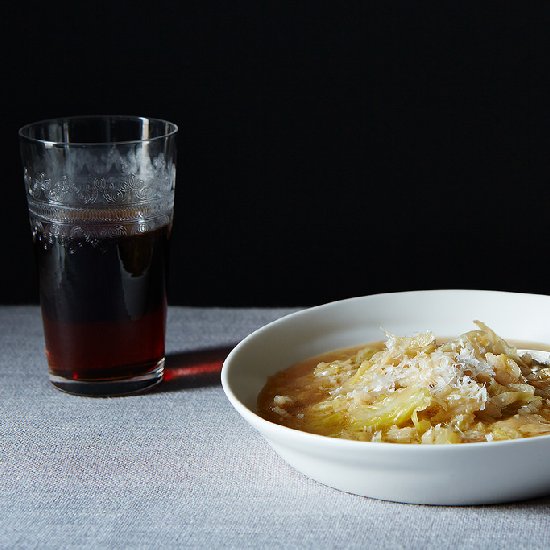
(415, 389)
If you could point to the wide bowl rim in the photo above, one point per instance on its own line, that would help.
(264, 425)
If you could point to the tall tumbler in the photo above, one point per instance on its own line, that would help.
(100, 192)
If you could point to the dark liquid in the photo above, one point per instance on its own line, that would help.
(103, 304)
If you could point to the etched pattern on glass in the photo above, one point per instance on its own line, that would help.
(84, 204)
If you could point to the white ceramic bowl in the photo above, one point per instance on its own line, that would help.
(463, 474)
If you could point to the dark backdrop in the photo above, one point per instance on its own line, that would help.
(326, 149)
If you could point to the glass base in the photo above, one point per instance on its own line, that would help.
(110, 388)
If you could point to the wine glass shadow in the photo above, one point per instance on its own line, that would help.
(193, 369)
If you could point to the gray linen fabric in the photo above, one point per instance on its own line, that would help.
(179, 468)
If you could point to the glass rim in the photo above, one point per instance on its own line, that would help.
(172, 130)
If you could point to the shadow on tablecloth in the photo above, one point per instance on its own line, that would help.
(193, 369)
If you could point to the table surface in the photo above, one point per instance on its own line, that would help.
(179, 468)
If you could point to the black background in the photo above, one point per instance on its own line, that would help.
(326, 149)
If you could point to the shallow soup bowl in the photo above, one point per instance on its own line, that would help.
(459, 474)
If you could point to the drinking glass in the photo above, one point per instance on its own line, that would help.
(100, 194)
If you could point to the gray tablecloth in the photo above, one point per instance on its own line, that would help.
(179, 468)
